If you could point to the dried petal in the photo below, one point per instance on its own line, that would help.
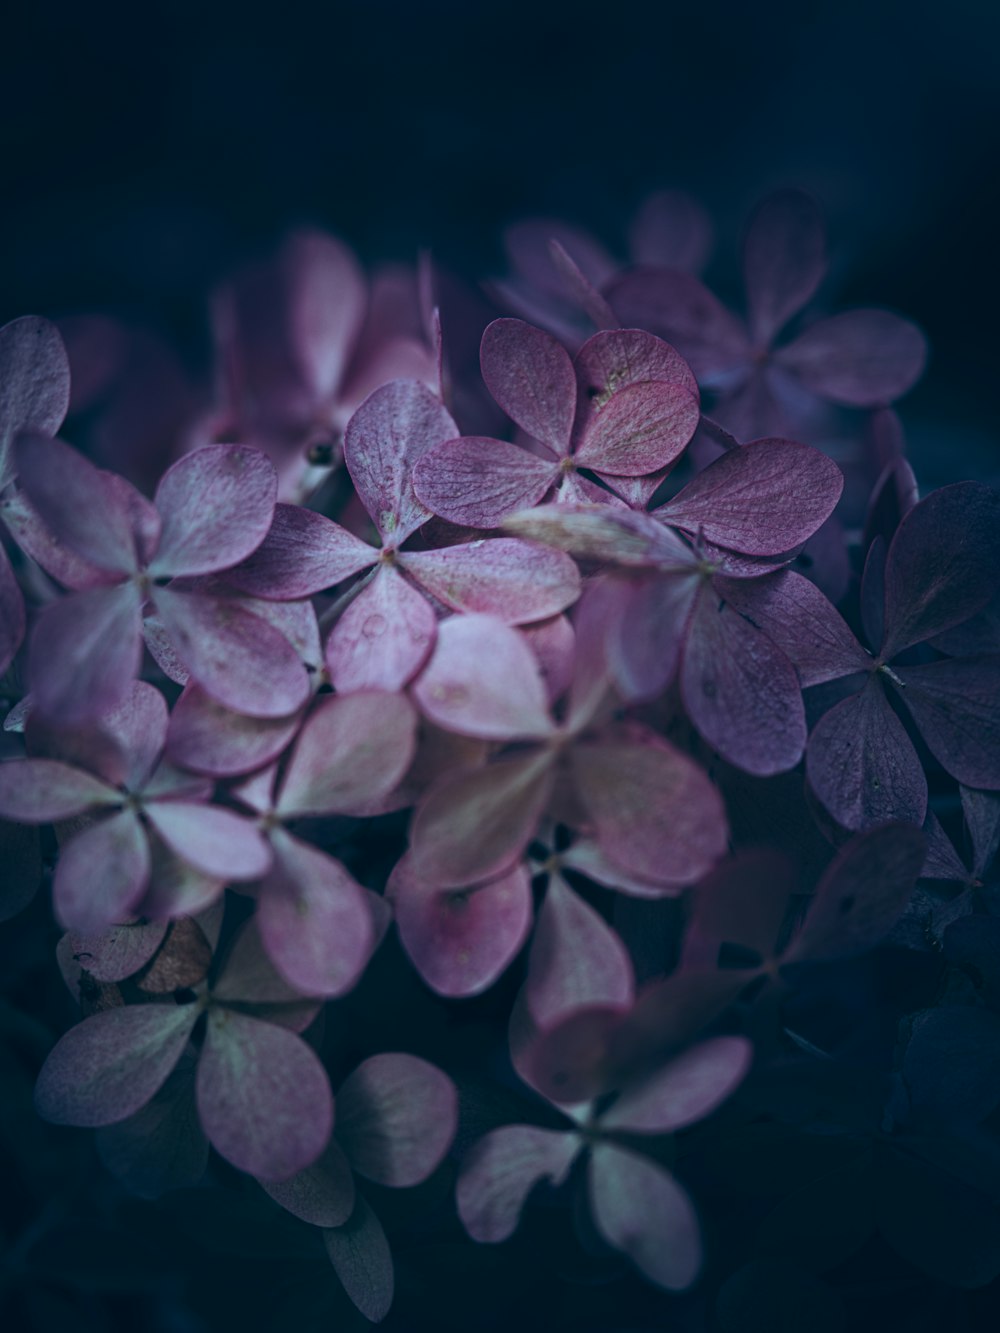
(531, 376)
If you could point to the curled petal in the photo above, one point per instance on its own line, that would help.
(383, 638)
(500, 1172)
(119, 952)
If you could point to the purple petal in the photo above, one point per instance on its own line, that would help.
(784, 260)
(101, 874)
(476, 481)
(461, 940)
(383, 638)
(352, 750)
(176, 889)
(110, 1065)
(139, 725)
(613, 360)
(741, 691)
(862, 765)
(514, 580)
(500, 1172)
(671, 230)
(235, 656)
(604, 532)
(12, 617)
(763, 499)
(531, 376)
(801, 621)
(40, 791)
(322, 1194)
(85, 651)
(553, 642)
(263, 1096)
(864, 358)
(119, 952)
(36, 539)
(391, 429)
(640, 429)
(645, 639)
(249, 977)
(34, 383)
(528, 247)
(209, 738)
(641, 1210)
(302, 554)
(569, 1063)
(396, 1118)
(576, 959)
(982, 818)
(956, 706)
(362, 1259)
(656, 814)
(581, 290)
(314, 919)
(862, 893)
(941, 565)
(216, 504)
(218, 842)
(677, 307)
(483, 680)
(684, 1091)
(84, 507)
(744, 901)
(474, 825)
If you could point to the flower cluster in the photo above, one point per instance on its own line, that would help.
(624, 716)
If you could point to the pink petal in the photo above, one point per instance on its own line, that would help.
(500, 1172)
(217, 504)
(655, 812)
(314, 919)
(531, 376)
(603, 532)
(640, 429)
(476, 481)
(209, 738)
(101, 874)
(119, 952)
(645, 638)
(862, 765)
(763, 499)
(744, 901)
(353, 749)
(576, 959)
(611, 361)
(176, 889)
(956, 706)
(249, 977)
(235, 656)
(36, 539)
(322, 1194)
(139, 724)
(474, 825)
(864, 358)
(396, 1118)
(641, 1210)
(83, 506)
(218, 842)
(362, 1259)
(40, 791)
(684, 1091)
(461, 940)
(482, 680)
(581, 289)
(110, 1065)
(569, 1063)
(85, 651)
(263, 1096)
(741, 691)
(514, 580)
(302, 554)
(784, 260)
(671, 230)
(553, 642)
(383, 638)
(34, 383)
(391, 429)
(12, 617)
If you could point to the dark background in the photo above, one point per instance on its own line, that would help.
(145, 148)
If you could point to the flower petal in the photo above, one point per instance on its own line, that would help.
(40, 791)
(956, 705)
(263, 1096)
(119, 952)
(110, 1065)
(303, 553)
(784, 260)
(614, 359)
(209, 738)
(477, 481)
(362, 1259)
(640, 429)
(102, 874)
(216, 841)
(516, 581)
(500, 1172)
(34, 383)
(683, 1091)
(85, 651)
(864, 358)
(322, 1194)
(531, 376)
(383, 638)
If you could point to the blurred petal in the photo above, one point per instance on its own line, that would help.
(248, 975)
(263, 1096)
(500, 1172)
(396, 1118)
(641, 428)
(235, 656)
(40, 791)
(956, 705)
(862, 765)
(641, 1210)
(209, 738)
(85, 651)
(12, 618)
(763, 499)
(684, 1091)
(302, 554)
(672, 230)
(216, 841)
(644, 641)
(864, 358)
(482, 680)
(322, 1194)
(744, 902)
(784, 260)
(119, 952)
(314, 919)
(110, 1065)
(514, 580)
(569, 1063)
(36, 539)
(362, 1259)
(581, 290)
(161, 1147)
(603, 532)
(101, 874)
(352, 750)
(531, 376)
(34, 383)
(982, 818)
(383, 638)
(391, 429)
(139, 724)
(477, 481)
